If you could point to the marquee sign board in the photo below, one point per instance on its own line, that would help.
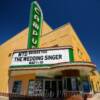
(35, 25)
(38, 57)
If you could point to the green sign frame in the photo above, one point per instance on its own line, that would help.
(35, 25)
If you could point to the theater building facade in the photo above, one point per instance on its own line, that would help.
(59, 67)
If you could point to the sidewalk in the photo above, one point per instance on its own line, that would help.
(3, 98)
(95, 97)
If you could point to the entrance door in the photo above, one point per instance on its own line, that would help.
(47, 89)
(54, 89)
(50, 88)
(59, 89)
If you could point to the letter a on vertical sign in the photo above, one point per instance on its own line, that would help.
(35, 25)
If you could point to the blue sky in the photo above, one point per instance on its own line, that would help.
(84, 15)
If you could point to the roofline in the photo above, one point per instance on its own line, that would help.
(57, 28)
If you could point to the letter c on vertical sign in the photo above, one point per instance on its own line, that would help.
(37, 10)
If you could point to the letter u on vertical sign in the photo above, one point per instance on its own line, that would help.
(35, 25)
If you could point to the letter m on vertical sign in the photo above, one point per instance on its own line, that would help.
(35, 25)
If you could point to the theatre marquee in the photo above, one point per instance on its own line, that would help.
(41, 57)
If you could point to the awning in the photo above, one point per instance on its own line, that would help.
(83, 67)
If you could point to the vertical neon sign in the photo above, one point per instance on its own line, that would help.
(35, 25)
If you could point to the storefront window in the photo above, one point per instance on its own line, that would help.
(74, 83)
(35, 88)
(86, 86)
(30, 91)
(17, 87)
(71, 84)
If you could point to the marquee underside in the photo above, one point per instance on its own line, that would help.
(84, 69)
